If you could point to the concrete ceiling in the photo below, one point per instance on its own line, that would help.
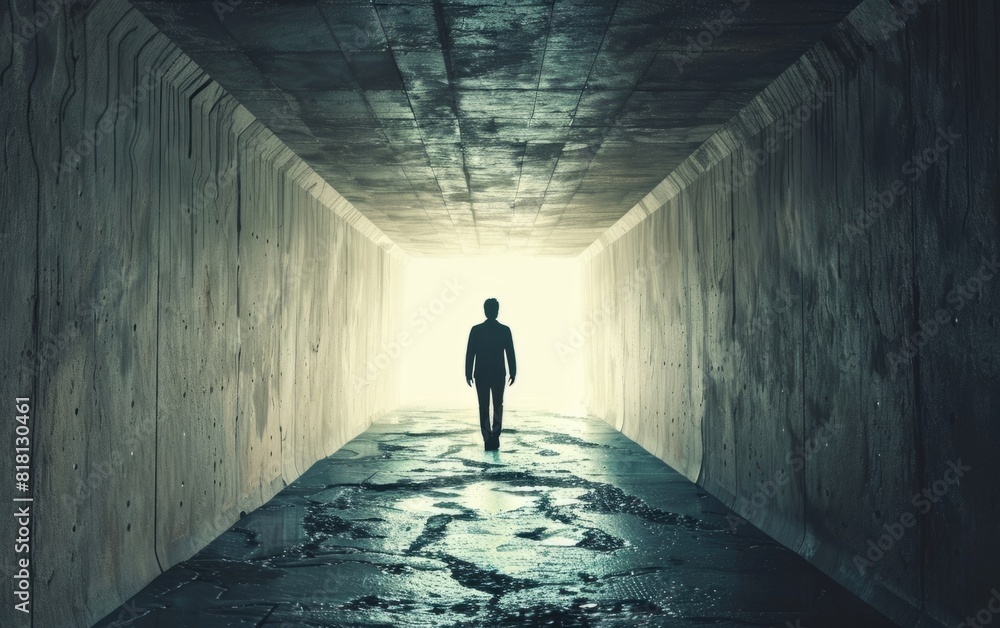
(486, 127)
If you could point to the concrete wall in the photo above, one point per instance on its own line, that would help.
(190, 308)
(751, 316)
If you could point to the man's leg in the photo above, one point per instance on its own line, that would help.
(483, 392)
(497, 389)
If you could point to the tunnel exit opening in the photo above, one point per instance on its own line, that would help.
(539, 300)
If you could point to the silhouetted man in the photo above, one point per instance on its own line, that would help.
(487, 343)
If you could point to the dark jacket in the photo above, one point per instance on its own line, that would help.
(487, 343)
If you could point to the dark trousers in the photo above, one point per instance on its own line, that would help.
(485, 386)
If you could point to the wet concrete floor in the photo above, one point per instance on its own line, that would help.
(569, 524)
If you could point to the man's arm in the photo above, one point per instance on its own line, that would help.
(511, 361)
(470, 354)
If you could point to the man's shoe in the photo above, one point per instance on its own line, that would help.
(492, 443)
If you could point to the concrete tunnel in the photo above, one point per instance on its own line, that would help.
(747, 249)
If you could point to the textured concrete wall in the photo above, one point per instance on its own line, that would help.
(802, 351)
(190, 308)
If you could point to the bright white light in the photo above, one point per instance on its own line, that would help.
(539, 300)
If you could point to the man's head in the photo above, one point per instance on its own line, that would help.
(492, 308)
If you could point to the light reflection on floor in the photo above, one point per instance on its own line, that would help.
(570, 524)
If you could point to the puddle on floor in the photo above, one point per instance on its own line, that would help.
(492, 498)
(426, 505)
